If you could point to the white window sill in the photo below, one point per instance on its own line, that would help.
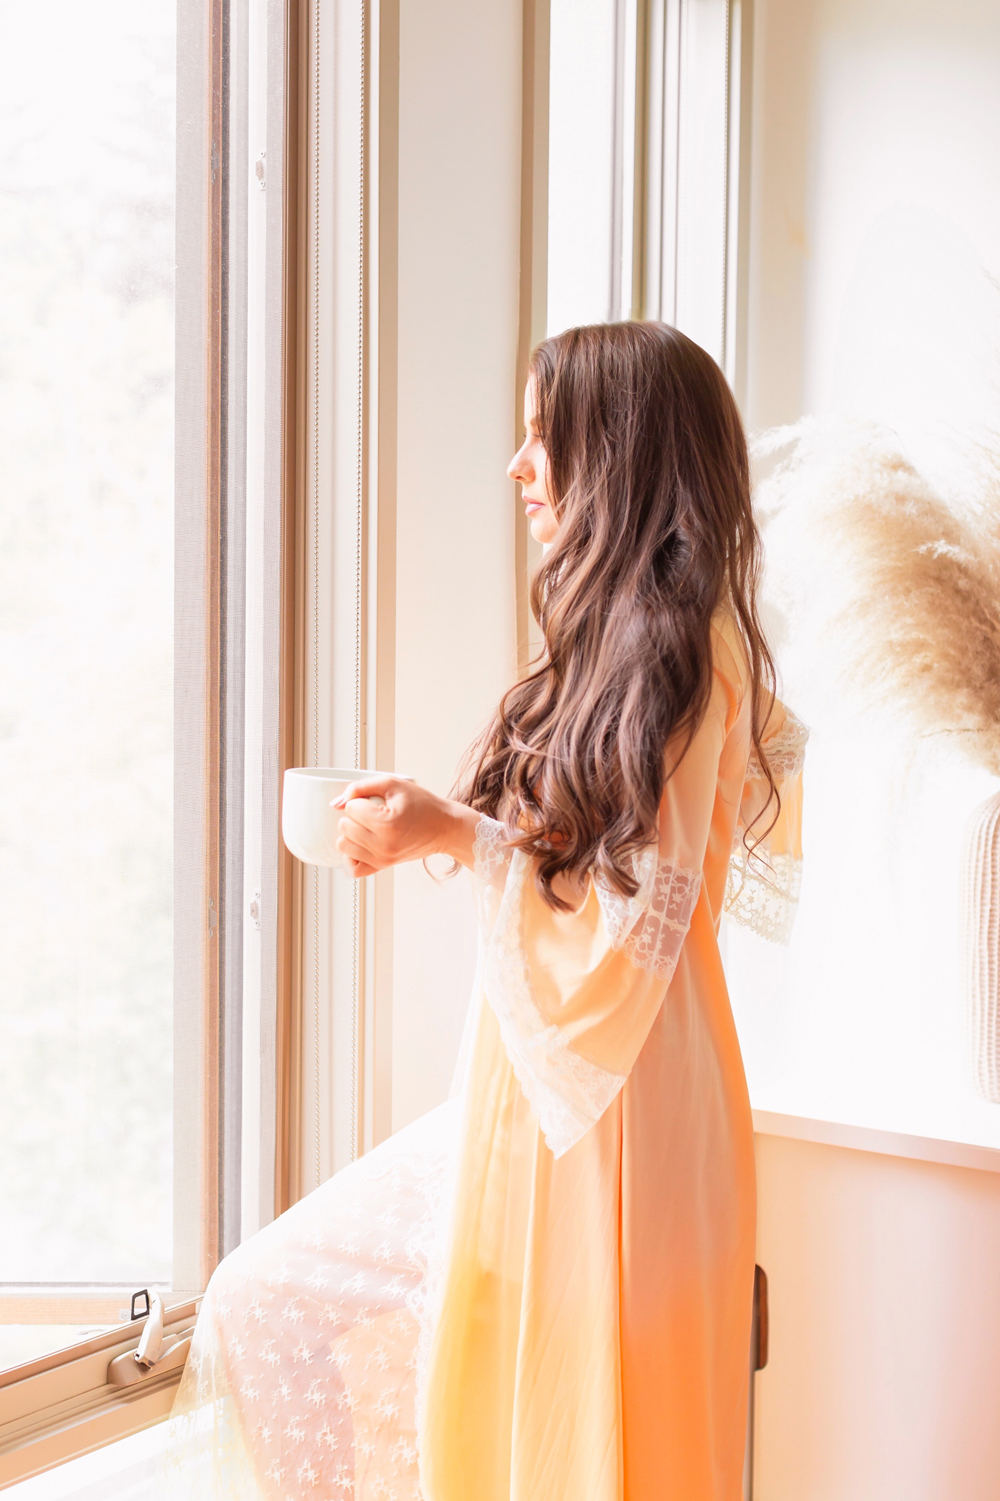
(868, 1139)
(60, 1406)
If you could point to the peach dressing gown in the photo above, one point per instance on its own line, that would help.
(542, 1290)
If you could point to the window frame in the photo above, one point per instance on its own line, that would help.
(686, 74)
(60, 1406)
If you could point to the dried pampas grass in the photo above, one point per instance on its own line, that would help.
(909, 587)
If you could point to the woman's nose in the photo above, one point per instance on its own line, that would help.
(518, 469)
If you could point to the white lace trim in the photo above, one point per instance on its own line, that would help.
(491, 858)
(762, 892)
(567, 1092)
(785, 751)
(762, 889)
(652, 925)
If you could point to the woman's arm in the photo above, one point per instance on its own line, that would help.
(412, 824)
(576, 992)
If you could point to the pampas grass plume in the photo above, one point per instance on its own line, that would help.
(911, 588)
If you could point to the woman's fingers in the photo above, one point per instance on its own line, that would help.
(356, 846)
(361, 811)
(356, 835)
(376, 830)
(360, 823)
(375, 787)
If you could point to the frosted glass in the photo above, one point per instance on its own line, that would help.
(86, 602)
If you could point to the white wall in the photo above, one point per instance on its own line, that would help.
(459, 228)
(875, 220)
(884, 1367)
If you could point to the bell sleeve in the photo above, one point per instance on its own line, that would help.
(575, 993)
(762, 890)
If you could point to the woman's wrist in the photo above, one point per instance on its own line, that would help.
(459, 831)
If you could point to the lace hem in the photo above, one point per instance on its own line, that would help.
(566, 1091)
(762, 893)
(652, 925)
(762, 889)
(538, 1051)
(785, 751)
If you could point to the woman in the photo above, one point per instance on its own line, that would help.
(542, 1291)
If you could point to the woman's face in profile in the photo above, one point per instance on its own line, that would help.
(530, 467)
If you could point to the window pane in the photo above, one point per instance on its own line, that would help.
(890, 317)
(581, 162)
(86, 590)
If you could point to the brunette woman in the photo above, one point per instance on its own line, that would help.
(542, 1291)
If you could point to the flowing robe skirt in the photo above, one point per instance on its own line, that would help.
(541, 1291)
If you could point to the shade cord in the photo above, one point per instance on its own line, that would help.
(318, 1144)
(358, 565)
(358, 574)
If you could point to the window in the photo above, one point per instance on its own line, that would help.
(87, 404)
(147, 231)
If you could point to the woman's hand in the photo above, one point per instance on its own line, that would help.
(412, 824)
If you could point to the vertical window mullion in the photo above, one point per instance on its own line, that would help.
(197, 647)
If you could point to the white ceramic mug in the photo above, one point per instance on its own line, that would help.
(309, 825)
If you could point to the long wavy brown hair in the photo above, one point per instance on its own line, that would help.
(650, 482)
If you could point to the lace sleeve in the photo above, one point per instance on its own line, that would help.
(491, 860)
(652, 925)
(567, 1091)
(762, 891)
(785, 751)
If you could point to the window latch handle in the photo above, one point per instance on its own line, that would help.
(151, 1340)
(156, 1351)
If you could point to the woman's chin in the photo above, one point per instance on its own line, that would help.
(543, 527)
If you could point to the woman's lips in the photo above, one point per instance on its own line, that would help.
(532, 505)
